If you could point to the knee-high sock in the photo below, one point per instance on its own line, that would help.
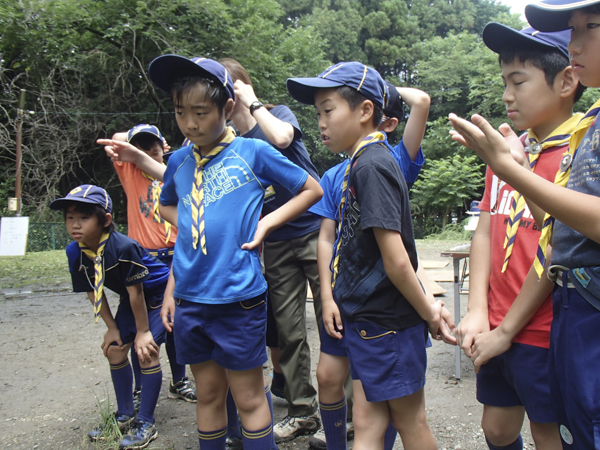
(259, 439)
(122, 378)
(517, 445)
(333, 416)
(233, 422)
(151, 382)
(212, 440)
(137, 370)
(390, 437)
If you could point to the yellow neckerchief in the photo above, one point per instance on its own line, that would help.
(559, 136)
(97, 258)
(562, 177)
(373, 138)
(198, 189)
(156, 190)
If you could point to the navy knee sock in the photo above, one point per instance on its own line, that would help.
(270, 401)
(333, 416)
(233, 421)
(177, 370)
(390, 437)
(212, 440)
(517, 445)
(259, 439)
(122, 379)
(151, 382)
(137, 370)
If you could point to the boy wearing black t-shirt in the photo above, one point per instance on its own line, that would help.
(375, 288)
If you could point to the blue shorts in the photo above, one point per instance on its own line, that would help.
(230, 334)
(331, 345)
(574, 368)
(518, 377)
(389, 364)
(126, 323)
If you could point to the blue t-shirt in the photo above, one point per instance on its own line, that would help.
(234, 188)
(332, 180)
(278, 195)
(126, 263)
(569, 247)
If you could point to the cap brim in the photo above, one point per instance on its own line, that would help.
(62, 203)
(163, 68)
(497, 36)
(553, 15)
(305, 89)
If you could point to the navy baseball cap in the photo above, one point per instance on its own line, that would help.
(355, 75)
(144, 128)
(163, 69)
(86, 193)
(497, 37)
(554, 15)
(394, 106)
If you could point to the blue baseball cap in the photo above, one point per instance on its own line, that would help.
(144, 128)
(163, 69)
(355, 75)
(86, 193)
(497, 37)
(394, 106)
(554, 15)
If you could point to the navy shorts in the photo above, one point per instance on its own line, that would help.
(230, 334)
(126, 323)
(389, 364)
(331, 345)
(518, 377)
(574, 368)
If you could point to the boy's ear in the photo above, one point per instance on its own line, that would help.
(389, 125)
(367, 111)
(228, 109)
(108, 220)
(569, 82)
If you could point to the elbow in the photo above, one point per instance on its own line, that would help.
(283, 141)
(424, 101)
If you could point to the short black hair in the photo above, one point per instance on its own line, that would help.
(548, 60)
(212, 91)
(146, 141)
(593, 9)
(92, 209)
(355, 98)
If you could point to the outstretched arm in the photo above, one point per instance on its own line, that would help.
(575, 209)
(418, 102)
(118, 150)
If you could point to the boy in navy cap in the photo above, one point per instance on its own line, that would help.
(101, 256)
(507, 328)
(384, 310)
(214, 191)
(571, 224)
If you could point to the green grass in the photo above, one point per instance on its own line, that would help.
(39, 269)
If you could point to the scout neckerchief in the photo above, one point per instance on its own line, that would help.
(559, 136)
(562, 177)
(97, 258)
(198, 190)
(373, 138)
(156, 190)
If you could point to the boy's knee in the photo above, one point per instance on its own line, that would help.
(497, 434)
(328, 379)
(115, 355)
(250, 402)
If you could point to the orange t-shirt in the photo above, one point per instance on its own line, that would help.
(140, 217)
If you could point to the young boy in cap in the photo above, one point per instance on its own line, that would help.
(385, 311)
(213, 191)
(572, 204)
(101, 256)
(333, 361)
(507, 328)
(154, 234)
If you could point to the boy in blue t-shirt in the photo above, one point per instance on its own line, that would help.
(571, 204)
(98, 257)
(384, 310)
(213, 190)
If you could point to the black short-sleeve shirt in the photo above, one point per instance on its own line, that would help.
(378, 197)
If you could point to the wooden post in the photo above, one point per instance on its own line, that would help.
(19, 153)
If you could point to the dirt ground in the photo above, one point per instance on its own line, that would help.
(53, 377)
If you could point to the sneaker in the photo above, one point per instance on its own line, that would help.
(349, 431)
(318, 440)
(183, 389)
(140, 435)
(292, 427)
(123, 421)
(137, 399)
(233, 444)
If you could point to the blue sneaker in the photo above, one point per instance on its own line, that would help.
(137, 399)
(140, 435)
(123, 422)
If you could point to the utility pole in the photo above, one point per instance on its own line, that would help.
(20, 113)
